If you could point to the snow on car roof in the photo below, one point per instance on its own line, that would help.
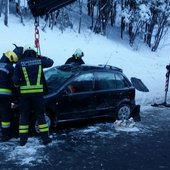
(85, 67)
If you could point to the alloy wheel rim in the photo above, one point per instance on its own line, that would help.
(124, 113)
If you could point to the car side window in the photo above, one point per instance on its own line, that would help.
(120, 81)
(106, 81)
(82, 83)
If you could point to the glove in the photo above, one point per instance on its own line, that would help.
(18, 51)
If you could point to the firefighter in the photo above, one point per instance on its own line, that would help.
(76, 58)
(6, 92)
(28, 76)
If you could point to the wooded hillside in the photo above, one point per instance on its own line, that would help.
(139, 20)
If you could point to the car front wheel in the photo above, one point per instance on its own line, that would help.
(123, 112)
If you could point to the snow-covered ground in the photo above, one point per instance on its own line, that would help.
(144, 64)
(70, 145)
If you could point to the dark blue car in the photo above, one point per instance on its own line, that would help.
(80, 92)
(84, 92)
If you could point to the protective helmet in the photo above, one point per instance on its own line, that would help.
(11, 56)
(78, 53)
(28, 47)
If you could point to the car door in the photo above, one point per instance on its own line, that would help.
(110, 91)
(77, 100)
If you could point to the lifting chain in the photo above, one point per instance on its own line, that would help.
(37, 35)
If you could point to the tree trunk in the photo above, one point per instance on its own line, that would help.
(1, 6)
(62, 22)
(113, 13)
(102, 19)
(131, 34)
(136, 32)
(6, 13)
(122, 26)
(150, 28)
(89, 6)
(19, 11)
(80, 7)
(159, 33)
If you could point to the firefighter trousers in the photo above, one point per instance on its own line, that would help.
(32, 104)
(5, 117)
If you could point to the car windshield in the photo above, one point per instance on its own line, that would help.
(55, 77)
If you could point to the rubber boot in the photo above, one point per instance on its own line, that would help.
(6, 136)
(45, 138)
(23, 138)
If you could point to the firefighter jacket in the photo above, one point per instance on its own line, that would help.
(74, 60)
(6, 73)
(28, 73)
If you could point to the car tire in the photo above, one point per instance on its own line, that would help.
(123, 112)
(48, 120)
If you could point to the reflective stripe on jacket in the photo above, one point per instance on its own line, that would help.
(5, 124)
(6, 72)
(4, 91)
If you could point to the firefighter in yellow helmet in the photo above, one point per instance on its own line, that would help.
(6, 92)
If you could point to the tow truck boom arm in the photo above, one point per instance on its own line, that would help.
(43, 7)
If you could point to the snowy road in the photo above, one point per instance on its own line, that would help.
(97, 146)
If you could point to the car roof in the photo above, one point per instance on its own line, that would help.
(84, 67)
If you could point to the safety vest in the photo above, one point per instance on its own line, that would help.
(32, 88)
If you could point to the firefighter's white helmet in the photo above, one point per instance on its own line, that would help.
(79, 53)
(28, 47)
